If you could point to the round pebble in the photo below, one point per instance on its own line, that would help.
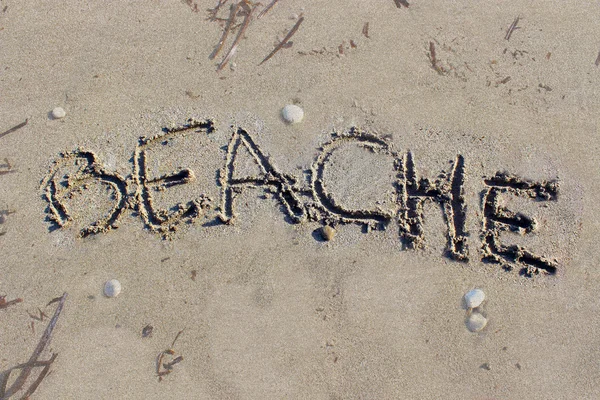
(474, 298)
(112, 288)
(58, 113)
(476, 322)
(292, 114)
(327, 232)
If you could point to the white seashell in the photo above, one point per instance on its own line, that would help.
(112, 288)
(474, 298)
(476, 322)
(58, 113)
(292, 114)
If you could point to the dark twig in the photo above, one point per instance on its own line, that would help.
(512, 28)
(35, 364)
(365, 30)
(176, 337)
(212, 13)
(40, 318)
(400, 3)
(176, 360)
(240, 34)
(226, 30)
(598, 60)
(434, 61)
(6, 168)
(432, 55)
(3, 382)
(159, 364)
(55, 300)
(14, 128)
(42, 344)
(40, 377)
(5, 304)
(267, 8)
(193, 6)
(163, 369)
(284, 41)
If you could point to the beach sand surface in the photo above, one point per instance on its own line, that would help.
(212, 222)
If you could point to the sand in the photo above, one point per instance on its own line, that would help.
(476, 168)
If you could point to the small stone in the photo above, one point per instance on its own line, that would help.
(476, 322)
(474, 298)
(292, 114)
(327, 232)
(112, 288)
(147, 331)
(58, 113)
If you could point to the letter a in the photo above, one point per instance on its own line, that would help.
(282, 185)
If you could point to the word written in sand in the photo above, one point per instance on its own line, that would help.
(78, 171)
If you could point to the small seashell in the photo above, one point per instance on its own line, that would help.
(292, 114)
(476, 322)
(58, 113)
(327, 232)
(474, 298)
(112, 288)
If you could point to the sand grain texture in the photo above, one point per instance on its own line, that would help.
(269, 309)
